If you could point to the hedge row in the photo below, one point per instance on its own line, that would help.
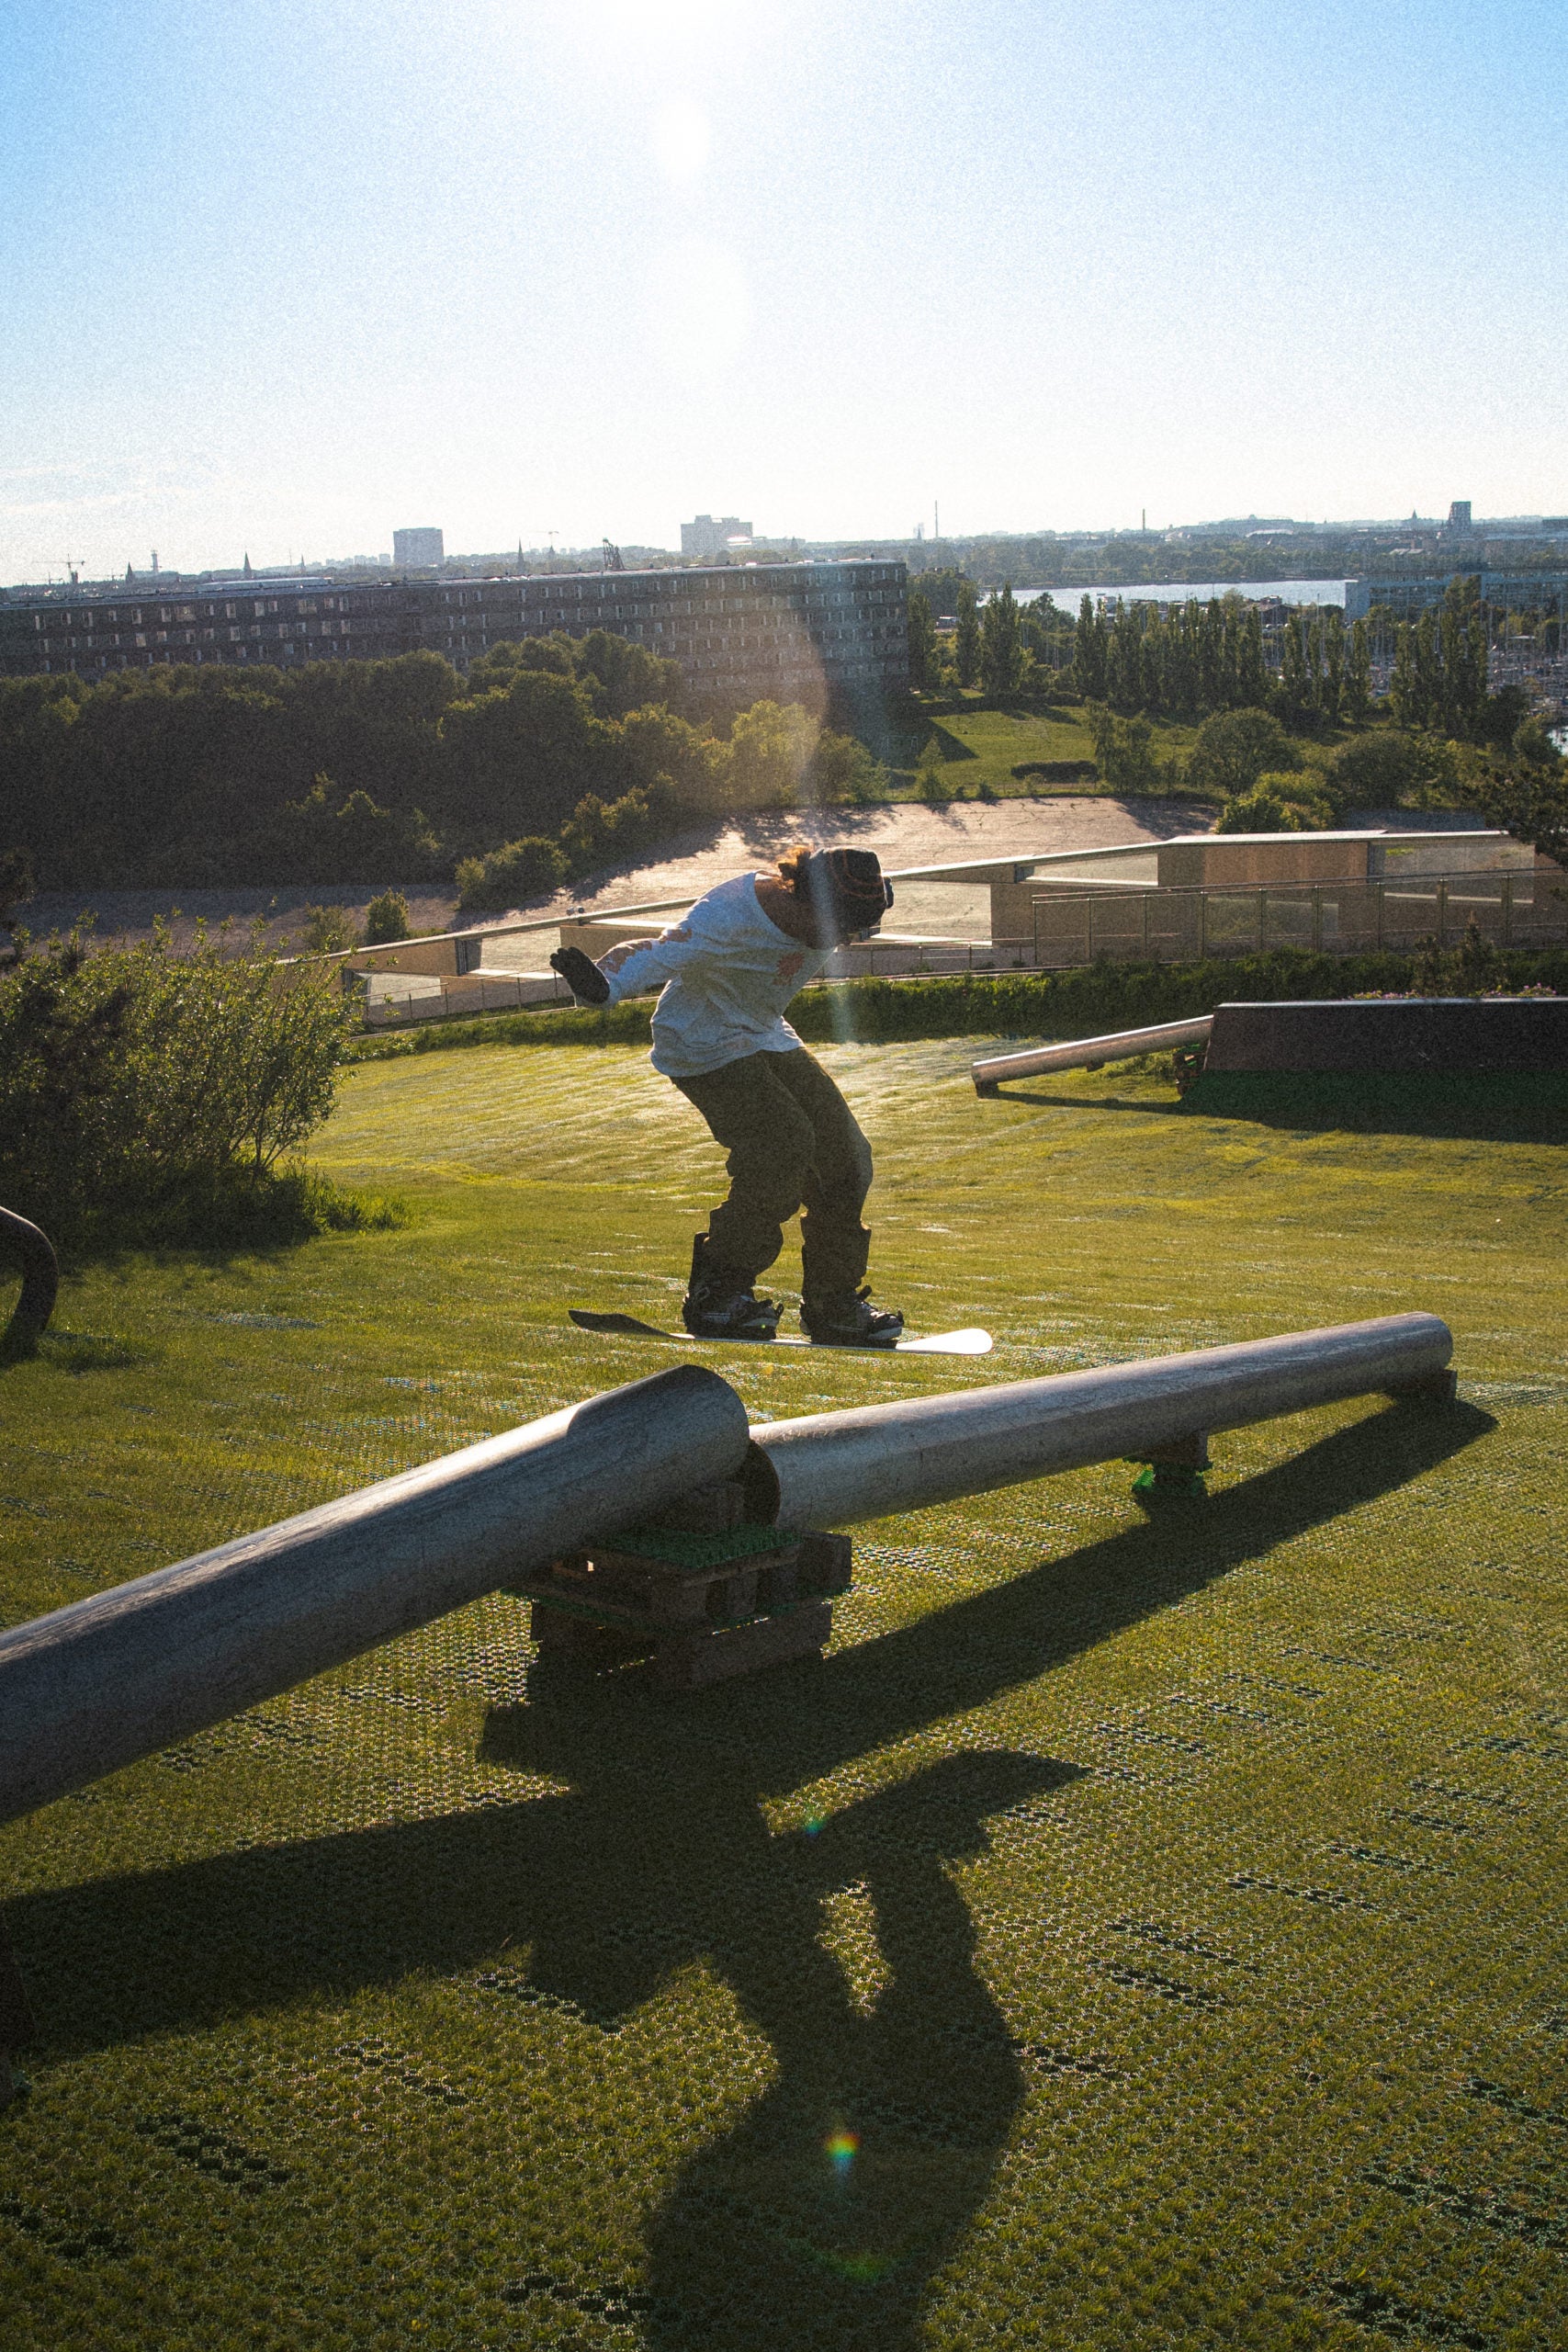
(1088, 1001)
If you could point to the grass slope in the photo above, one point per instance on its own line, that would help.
(984, 745)
(1133, 1936)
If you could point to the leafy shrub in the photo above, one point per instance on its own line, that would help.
(930, 779)
(327, 931)
(529, 868)
(1397, 767)
(1234, 748)
(1278, 804)
(1122, 749)
(598, 831)
(143, 1091)
(386, 919)
(769, 751)
(844, 773)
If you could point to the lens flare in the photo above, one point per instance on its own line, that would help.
(843, 2148)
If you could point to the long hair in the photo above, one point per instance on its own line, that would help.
(793, 865)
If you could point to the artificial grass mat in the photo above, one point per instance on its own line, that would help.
(1134, 1934)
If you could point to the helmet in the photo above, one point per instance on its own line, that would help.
(846, 887)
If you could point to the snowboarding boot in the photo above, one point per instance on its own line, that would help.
(848, 1320)
(720, 1303)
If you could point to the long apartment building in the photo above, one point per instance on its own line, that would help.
(778, 630)
(1408, 598)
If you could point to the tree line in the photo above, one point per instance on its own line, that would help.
(365, 771)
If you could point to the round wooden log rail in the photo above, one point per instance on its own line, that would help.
(836, 1468)
(128, 1671)
(123, 1674)
(1088, 1053)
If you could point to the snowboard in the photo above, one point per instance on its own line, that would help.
(940, 1344)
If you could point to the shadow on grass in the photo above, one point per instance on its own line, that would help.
(850, 2180)
(1083, 1102)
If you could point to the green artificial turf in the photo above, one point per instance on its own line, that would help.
(1138, 1933)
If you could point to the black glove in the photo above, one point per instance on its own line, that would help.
(581, 975)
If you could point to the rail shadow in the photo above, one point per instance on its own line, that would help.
(1084, 1102)
(852, 2179)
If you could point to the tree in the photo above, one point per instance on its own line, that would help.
(930, 778)
(1001, 648)
(923, 656)
(1124, 658)
(17, 883)
(966, 637)
(1403, 695)
(139, 1088)
(386, 919)
(1122, 749)
(327, 931)
(1234, 748)
(1396, 767)
(509, 876)
(1463, 654)
(528, 750)
(842, 772)
(1251, 670)
(357, 841)
(1528, 796)
(769, 748)
(1293, 694)
(1356, 699)
(626, 676)
(1331, 692)
(1089, 652)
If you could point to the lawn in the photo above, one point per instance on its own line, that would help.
(1134, 1935)
(986, 745)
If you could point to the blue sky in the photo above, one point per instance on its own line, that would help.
(277, 276)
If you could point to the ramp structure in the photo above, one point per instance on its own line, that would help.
(126, 1672)
(1386, 1057)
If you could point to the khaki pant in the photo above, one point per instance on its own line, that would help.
(793, 1142)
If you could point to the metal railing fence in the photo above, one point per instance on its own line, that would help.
(1511, 909)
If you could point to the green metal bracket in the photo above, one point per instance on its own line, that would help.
(1158, 1483)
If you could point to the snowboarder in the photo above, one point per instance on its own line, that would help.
(726, 972)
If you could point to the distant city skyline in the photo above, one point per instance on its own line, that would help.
(274, 277)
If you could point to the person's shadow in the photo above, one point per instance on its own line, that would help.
(852, 2177)
(846, 2173)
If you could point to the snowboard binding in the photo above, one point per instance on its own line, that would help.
(721, 1301)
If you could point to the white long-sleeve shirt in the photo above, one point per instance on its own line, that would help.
(728, 971)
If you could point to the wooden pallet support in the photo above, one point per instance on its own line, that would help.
(703, 1591)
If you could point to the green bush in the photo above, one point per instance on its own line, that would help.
(1122, 749)
(386, 919)
(510, 875)
(1396, 767)
(327, 931)
(1234, 748)
(142, 1091)
(1280, 804)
